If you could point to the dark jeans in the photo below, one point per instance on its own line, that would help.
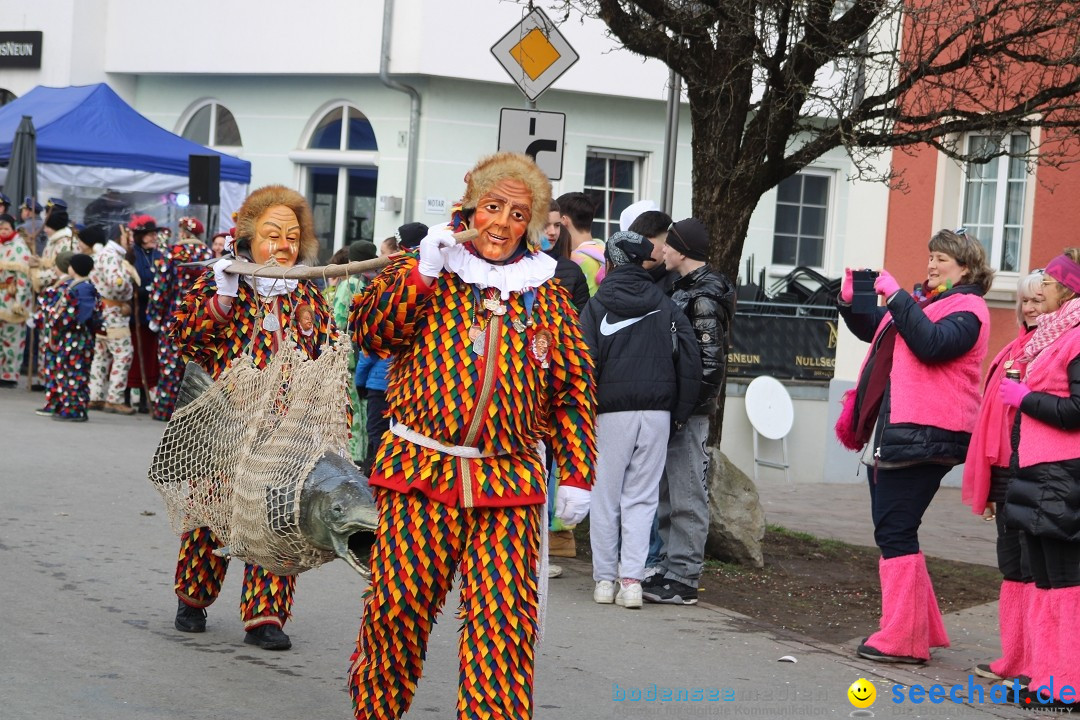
(378, 422)
(1054, 563)
(898, 499)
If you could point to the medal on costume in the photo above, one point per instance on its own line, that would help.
(479, 338)
(540, 347)
(270, 322)
(494, 306)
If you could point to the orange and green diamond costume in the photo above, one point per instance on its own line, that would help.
(459, 480)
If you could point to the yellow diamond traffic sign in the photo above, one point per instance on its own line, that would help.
(534, 53)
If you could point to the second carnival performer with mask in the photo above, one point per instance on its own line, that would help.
(489, 362)
(220, 318)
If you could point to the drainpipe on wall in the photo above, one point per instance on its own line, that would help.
(414, 109)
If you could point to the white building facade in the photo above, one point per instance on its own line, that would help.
(297, 92)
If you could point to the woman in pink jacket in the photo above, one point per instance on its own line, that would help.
(986, 475)
(912, 414)
(1043, 496)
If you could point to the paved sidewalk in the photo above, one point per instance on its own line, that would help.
(949, 530)
(842, 512)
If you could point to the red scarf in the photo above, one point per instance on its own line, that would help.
(6, 237)
(991, 443)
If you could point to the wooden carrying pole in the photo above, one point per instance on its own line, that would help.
(303, 272)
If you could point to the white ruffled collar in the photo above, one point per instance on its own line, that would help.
(531, 271)
(271, 287)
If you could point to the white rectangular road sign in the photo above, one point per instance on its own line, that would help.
(534, 53)
(537, 134)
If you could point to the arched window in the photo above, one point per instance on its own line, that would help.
(340, 171)
(213, 125)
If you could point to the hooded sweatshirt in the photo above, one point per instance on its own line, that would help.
(644, 350)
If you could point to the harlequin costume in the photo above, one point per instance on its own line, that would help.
(261, 318)
(60, 239)
(171, 282)
(16, 298)
(72, 319)
(459, 481)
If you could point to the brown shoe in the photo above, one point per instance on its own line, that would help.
(95, 405)
(561, 544)
(118, 409)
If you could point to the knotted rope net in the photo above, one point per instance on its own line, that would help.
(235, 457)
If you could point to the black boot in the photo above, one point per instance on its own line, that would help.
(268, 637)
(190, 619)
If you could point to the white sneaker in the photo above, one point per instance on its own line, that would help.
(604, 592)
(554, 571)
(629, 595)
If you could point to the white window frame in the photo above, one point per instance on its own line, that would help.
(342, 158)
(633, 156)
(1002, 181)
(780, 269)
(214, 103)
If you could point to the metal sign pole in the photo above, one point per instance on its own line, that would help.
(671, 141)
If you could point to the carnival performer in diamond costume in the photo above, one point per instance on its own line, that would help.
(219, 319)
(171, 283)
(459, 479)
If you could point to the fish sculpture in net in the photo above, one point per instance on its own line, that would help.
(258, 457)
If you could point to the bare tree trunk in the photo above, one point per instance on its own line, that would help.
(726, 191)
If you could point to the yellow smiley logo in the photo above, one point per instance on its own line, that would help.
(862, 693)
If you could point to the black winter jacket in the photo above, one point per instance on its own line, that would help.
(642, 347)
(570, 276)
(949, 338)
(1044, 499)
(708, 299)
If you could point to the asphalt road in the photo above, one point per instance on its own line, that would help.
(87, 560)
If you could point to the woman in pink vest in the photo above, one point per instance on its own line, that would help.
(912, 414)
(1043, 497)
(986, 476)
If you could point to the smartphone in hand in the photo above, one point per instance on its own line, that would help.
(864, 298)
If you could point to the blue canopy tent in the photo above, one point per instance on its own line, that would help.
(90, 140)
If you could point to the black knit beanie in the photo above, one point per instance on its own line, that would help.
(690, 238)
(362, 250)
(82, 264)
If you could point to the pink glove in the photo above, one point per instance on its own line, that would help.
(886, 284)
(847, 287)
(1012, 393)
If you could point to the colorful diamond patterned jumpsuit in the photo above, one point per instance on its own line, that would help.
(440, 513)
(171, 282)
(213, 339)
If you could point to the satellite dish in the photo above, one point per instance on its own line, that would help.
(769, 407)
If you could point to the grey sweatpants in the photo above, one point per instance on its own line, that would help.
(683, 512)
(630, 451)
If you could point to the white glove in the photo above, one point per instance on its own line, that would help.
(30, 322)
(432, 251)
(572, 504)
(154, 327)
(227, 283)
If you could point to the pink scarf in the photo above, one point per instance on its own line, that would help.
(1051, 326)
(991, 442)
